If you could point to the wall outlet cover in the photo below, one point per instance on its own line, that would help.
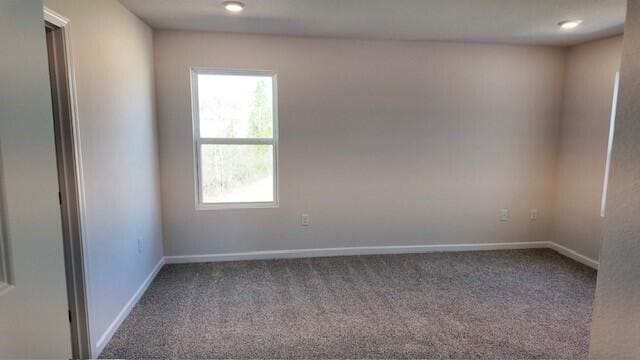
(504, 215)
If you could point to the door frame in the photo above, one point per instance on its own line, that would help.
(76, 246)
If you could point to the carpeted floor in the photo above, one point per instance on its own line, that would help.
(517, 304)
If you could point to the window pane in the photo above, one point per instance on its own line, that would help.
(237, 173)
(235, 106)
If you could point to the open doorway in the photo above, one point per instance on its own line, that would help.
(68, 161)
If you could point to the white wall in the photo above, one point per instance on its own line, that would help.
(113, 56)
(33, 314)
(616, 318)
(382, 143)
(584, 130)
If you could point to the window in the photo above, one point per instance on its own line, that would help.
(612, 128)
(236, 138)
(4, 261)
(4, 248)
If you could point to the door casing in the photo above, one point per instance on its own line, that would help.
(70, 179)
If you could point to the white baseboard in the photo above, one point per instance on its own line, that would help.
(574, 255)
(108, 334)
(378, 250)
(349, 251)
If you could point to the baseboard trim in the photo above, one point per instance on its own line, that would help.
(378, 250)
(108, 334)
(349, 251)
(572, 254)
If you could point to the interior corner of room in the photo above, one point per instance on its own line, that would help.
(375, 173)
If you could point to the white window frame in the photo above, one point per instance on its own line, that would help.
(5, 279)
(199, 141)
(612, 128)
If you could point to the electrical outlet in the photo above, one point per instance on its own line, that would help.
(139, 245)
(304, 220)
(533, 214)
(504, 215)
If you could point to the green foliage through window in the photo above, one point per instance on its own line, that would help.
(233, 106)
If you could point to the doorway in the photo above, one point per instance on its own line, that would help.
(68, 179)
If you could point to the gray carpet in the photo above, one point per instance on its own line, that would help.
(519, 304)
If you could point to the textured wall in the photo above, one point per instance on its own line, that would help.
(582, 153)
(381, 142)
(33, 314)
(113, 56)
(616, 323)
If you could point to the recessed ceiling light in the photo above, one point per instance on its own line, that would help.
(569, 24)
(233, 6)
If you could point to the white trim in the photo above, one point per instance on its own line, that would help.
(5, 267)
(350, 251)
(244, 205)
(198, 141)
(234, 141)
(64, 24)
(612, 128)
(572, 254)
(115, 324)
(5, 288)
(55, 18)
(379, 250)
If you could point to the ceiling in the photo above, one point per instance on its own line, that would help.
(497, 21)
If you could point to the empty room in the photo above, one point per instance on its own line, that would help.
(335, 179)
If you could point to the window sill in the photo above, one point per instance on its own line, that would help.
(231, 206)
